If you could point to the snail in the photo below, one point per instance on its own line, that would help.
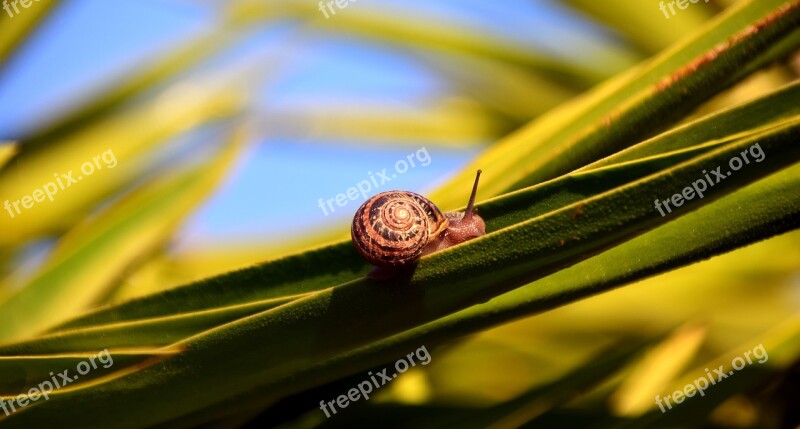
(395, 228)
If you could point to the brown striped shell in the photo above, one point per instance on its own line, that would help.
(392, 228)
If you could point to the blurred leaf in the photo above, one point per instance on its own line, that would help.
(127, 137)
(514, 91)
(455, 122)
(15, 29)
(782, 346)
(645, 25)
(79, 270)
(7, 151)
(659, 367)
(511, 413)
(420, 31)
(632, 106)
(541, 399)
(146, 76)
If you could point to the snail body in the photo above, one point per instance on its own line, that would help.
(395, 228)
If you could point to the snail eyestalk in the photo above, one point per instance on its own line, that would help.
(471, 206)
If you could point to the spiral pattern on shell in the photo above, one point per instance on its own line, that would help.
(392, 228)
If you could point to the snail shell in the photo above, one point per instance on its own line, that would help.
(392, 228)
(395, 228)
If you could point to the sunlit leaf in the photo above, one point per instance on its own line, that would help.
(7, 151)
(450, 122)
(661, 364)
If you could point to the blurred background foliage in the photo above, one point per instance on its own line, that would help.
(231, 119)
